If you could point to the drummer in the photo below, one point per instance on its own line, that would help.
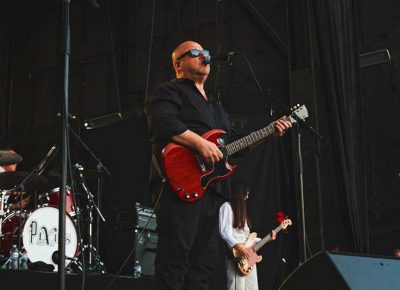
(12, 168)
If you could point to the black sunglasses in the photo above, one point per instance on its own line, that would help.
(195, 53)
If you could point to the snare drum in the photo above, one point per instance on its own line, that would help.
(40, 235)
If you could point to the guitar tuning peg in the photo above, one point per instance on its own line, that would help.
(298, 105)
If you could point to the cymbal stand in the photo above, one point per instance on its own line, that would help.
(2, 212)
(94, 261)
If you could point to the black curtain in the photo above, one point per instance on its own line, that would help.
(338, 51)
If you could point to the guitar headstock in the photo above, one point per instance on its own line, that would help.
(285, 223)
(299, 111)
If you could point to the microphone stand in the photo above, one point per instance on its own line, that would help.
(100, 168)
(64, 147)
(92, 251)
(301, 124)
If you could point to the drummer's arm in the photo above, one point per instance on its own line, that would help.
(8, 168)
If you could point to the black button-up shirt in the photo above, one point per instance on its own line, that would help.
(177, 106)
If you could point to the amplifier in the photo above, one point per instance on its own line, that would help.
(147, 238)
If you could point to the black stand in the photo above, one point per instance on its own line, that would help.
(301, 123)
(301, 189)
(94, 261)
(64, 149)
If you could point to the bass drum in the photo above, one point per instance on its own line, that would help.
(40, 236)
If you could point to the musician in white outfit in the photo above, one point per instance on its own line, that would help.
(234, 229)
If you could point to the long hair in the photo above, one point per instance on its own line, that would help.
(239, 205)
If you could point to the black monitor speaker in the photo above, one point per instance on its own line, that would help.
(336, 271)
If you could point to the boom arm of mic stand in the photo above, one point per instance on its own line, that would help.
(90, 151)
(21, 185)
(288, 111)
(303, 123)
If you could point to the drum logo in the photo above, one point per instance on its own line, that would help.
(44, 235)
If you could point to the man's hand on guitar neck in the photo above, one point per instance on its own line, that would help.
(207, 150)
(241, 250)
(281, 125)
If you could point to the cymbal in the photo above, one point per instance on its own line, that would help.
(12, 178)
(8, 157)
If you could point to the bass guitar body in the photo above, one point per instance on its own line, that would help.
(245, 265)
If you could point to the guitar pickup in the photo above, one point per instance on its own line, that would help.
(201, 164)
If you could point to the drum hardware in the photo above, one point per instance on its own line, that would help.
(94, 261)
(22, 181)
(3, 201)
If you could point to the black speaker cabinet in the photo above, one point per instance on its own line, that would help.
(329, 270)
(146, 251)
(146, 238)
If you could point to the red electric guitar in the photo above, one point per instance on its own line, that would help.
(189, 175)
(245, 265)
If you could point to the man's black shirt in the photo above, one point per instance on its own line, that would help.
(177, 106)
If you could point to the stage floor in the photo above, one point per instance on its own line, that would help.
(22, 280)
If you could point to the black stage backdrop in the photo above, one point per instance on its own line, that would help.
(116, 58)
(338, 47)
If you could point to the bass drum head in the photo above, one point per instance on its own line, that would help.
(40, 236)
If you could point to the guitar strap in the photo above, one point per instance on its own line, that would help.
(216, 110)
(157, 167)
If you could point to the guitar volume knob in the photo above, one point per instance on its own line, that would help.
(187, 196)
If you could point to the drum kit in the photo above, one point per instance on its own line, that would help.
(29, 218)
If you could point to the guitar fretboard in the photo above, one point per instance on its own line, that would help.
(266, 239)
(248, 140)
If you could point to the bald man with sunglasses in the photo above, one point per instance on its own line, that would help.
(180, 111)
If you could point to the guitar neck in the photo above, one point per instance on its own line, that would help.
(250, 139)
(266, 239)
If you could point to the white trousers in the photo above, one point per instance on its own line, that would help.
(236, 281)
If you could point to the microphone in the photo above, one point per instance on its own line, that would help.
(46, 158)
(54, 257)
(209, 59)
